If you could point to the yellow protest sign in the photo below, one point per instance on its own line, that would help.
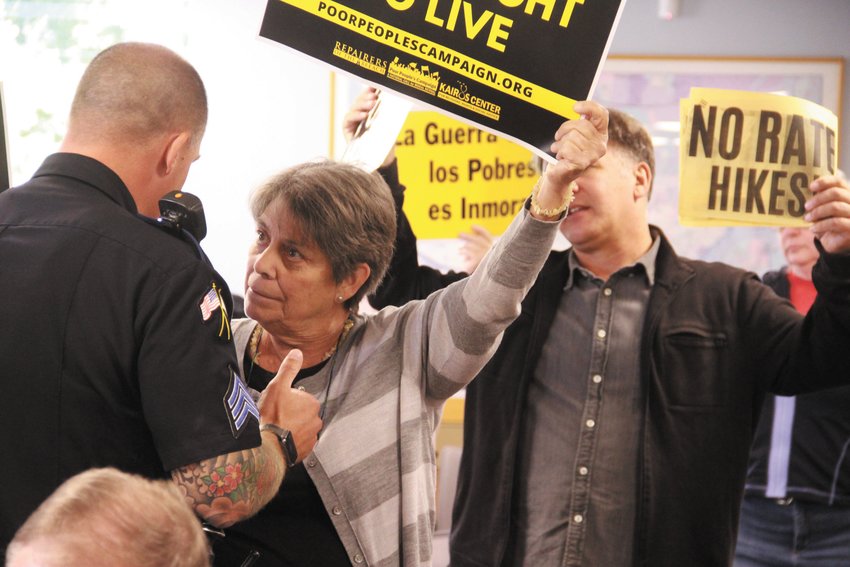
(747, 159)
(457, 175)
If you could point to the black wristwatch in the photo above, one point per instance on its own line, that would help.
(284, 436)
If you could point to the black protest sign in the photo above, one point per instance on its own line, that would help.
(515, 67)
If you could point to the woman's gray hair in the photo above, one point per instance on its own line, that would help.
(348, 213)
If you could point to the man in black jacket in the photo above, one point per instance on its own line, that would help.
(612, 426)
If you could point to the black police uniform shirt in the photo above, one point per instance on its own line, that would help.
(114, 344)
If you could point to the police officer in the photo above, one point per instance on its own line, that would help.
(115, 347)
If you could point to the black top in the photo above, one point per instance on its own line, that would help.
(296, 509)
(406, 279)
(819, 466)
(107, 355)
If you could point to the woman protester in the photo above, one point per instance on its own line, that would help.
(325, 233)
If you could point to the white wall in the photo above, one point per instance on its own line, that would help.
(269, 108)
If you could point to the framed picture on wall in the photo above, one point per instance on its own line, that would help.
(650, 88)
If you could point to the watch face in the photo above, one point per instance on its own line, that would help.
(289, 449)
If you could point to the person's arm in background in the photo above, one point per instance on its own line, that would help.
(230, 488)
(406, 279)
(475, 246)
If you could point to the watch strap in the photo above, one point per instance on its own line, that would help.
(284, 437)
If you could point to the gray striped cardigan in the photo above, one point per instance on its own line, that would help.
(374, 464)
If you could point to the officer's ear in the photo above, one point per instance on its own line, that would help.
(176, 148)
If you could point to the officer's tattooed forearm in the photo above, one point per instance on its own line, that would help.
(232, 487)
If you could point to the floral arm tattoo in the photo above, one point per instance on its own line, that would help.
(232, 487)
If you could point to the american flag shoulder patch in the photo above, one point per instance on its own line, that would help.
(209, 303)
(239, 405)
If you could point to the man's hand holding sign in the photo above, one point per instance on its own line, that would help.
(829, 212)
(578, 144)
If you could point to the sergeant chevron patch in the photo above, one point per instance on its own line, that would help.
(239, 405)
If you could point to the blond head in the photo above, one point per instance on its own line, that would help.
(106, 517)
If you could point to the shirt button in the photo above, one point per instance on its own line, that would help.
(597, 378)
(358, 558)
(311, 463)
(607, 291)
(601, 333)
(337, 511)
(582, 471)
(590, 423)
(578, 518)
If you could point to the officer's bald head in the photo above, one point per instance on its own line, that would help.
(133, 92)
